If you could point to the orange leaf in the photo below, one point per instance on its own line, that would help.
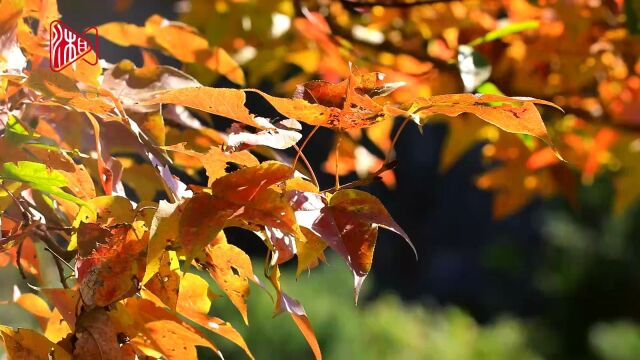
(25, 344)
(215, 160)
(166, 282)
(179, 40)
(231, 268)
(516, 115)
(96, 336)
(298, 315)
(224, 102)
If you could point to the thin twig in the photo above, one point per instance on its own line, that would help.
(338, 160)
(18, 260)
(59, 258)
(375, 176)
(23, 211)
(395, 139)
(308, 165)
(304, 143)
(41, 232)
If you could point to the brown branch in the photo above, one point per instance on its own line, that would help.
(373, 177)
(18, 262)
(41, 232)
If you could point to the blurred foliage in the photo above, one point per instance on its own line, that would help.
(382, 328)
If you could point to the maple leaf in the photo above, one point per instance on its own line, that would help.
(96, 336)
(215, 160)
(348, 223)
(241, 198)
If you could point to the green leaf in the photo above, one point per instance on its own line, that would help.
(504, 31)
(489, 88)
(38, 177)
(16, 132)
(32, 173)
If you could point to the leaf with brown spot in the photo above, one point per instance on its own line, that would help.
(231, 268)
(156, 332)
(167, 281)
(241, 198)
(346, 105)
(114, 269)
(215, 160)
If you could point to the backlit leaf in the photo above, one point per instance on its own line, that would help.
(25, 344)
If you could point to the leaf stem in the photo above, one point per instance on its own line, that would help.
(308, 165)
(304, 143)
(338, 160)
(396, 136)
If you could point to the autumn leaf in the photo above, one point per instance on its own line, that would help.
(215, 160)
(165, 283)
(153, 330)
(113, 269)
(223, 102)
(177, 39)
(96, 336)
(66, 301)
(284, 303)
(11, 58)
(357, 216)
(516, 115)
(239, 198)
(231, 269)
(346, 105)
(513, 183)
(30, 345)
(281, 135)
